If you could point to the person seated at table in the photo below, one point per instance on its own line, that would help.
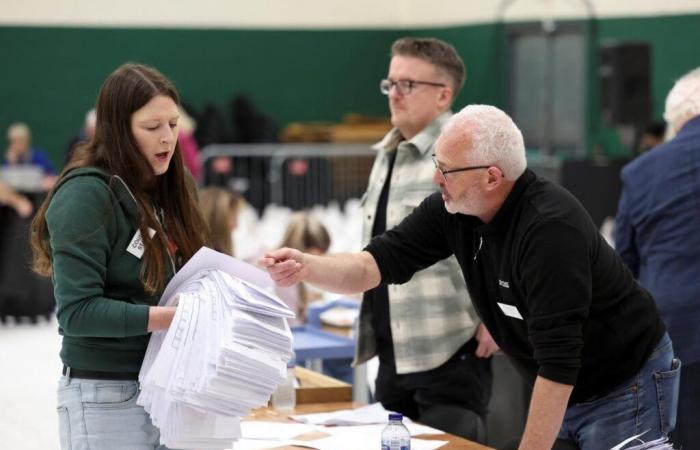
(220, 209)
(307, 234)
(21, 204)
(20, 152)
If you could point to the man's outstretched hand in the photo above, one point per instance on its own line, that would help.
(285, 266)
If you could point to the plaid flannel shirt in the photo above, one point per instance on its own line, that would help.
(432, 315)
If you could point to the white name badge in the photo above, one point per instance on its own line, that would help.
(136, 246)
(510, 310)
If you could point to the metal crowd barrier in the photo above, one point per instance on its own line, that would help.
(298, 175)
(301, 175)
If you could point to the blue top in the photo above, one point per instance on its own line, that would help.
(36, 157)
(395, 416)
(658, 232)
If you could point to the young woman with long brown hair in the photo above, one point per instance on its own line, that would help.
(121, 220)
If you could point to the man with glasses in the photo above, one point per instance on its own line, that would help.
(556, 298)
(434, 363)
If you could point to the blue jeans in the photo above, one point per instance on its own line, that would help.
(103, 415)
(647, 401)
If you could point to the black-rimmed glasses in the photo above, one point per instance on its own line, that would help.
(461, 169)
(403, 87)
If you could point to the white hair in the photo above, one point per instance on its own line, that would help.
(495, 139)
(18, 130)
(683, 102)
(90, 118)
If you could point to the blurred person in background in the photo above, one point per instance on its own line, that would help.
(307, 234)
(652, 135)
(86, 133)
(220, 210)
(122, 219)
(657, 234)
(434, 353)
(21, 152)
(21, 204)
(189, 146)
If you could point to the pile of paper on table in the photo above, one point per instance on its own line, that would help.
(223, 355)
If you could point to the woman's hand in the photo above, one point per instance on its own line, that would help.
(160, 317)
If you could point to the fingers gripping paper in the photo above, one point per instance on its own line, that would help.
(223, 355)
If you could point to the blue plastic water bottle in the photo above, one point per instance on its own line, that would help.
(395, 435)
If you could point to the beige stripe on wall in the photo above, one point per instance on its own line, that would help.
(316, 14)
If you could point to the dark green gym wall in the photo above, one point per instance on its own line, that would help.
(674, 51)
(49, 76)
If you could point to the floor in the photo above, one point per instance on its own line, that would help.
(29, 372)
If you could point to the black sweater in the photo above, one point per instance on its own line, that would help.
(584, 320)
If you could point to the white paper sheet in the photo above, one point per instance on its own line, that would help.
(206, 258)
(225, 352)
(370, 414)
(363, 441)
(332, 443)
(274, 431)
(637, 443)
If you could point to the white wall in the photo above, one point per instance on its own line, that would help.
(313, 13)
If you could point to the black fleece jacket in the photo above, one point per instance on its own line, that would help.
(555, 297)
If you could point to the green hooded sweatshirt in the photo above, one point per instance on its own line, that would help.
(102, 306)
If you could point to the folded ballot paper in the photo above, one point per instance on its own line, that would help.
(637, 443)
(223, 355)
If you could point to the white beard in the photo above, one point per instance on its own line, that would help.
(468, 203)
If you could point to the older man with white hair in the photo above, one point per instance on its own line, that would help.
(555, 297)
(658, 237)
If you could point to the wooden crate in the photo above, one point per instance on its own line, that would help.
(315, 387)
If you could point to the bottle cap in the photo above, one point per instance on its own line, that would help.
(395, 416)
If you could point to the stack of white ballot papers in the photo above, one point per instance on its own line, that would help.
(223, 355)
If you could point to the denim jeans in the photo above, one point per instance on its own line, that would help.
(646, 402)
(103, 415)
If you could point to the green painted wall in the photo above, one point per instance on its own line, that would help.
(49, 76)
(674, 45)
(673, 39)
(478, 45)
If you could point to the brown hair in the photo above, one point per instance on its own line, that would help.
(217, 206)
(114, 150)
(439, 53)
(305, 233)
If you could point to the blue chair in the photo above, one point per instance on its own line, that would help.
(339, 368)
